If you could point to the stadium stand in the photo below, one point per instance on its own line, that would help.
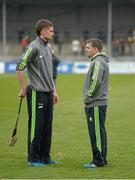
(73, 19)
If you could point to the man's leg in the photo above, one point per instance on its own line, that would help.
(47, 133)
(35, 127)
(93, 122)
(102, 117)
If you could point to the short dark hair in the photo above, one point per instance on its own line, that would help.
(95, 42)
(42, 23)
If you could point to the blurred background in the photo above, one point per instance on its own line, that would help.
(113, 21)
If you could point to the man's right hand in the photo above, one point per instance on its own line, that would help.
(22, 93)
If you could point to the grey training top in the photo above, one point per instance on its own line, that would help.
(96, 84)
(38, 60)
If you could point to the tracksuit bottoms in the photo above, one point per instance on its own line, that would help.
(96, 126)
(40, 115)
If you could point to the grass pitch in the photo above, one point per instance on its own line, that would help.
(70, 143)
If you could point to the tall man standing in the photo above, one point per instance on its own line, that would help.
(95, 99)
(41, 93)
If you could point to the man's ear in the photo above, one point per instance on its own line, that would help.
(43, 30)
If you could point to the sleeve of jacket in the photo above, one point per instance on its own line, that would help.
(27, 57)
(96, 78)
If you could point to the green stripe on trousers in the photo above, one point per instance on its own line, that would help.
(97, 128)
(33, 114)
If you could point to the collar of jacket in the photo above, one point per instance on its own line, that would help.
(42, 41)
(98, 54)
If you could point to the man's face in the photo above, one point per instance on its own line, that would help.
(90, 50)
(48, 33)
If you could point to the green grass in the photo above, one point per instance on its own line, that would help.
(70, 143)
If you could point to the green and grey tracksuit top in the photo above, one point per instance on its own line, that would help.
(96, 84)
(38, 60)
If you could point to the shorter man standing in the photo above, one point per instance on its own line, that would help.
(95, 99)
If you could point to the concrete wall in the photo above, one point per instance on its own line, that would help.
(70, 19)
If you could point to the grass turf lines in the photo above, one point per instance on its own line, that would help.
(70, 144)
